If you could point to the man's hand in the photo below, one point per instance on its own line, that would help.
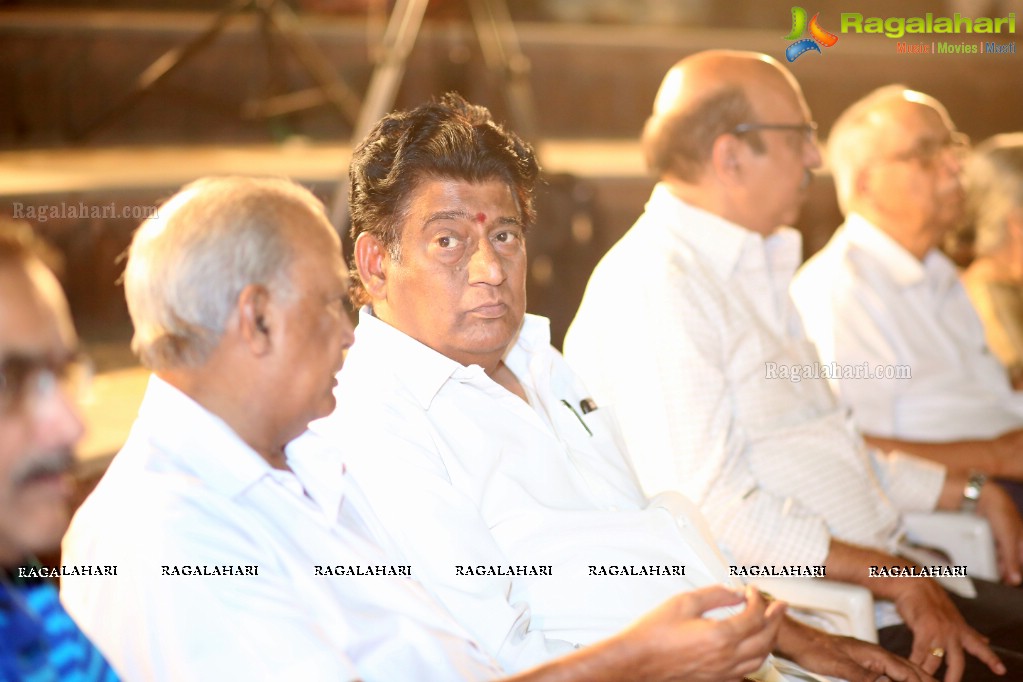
(924, 606)
(680, 644)
(846, 658)
(1007, 528)
(937, 624)
(675, 643)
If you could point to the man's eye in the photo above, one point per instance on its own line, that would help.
(444, 242)
(506, 236)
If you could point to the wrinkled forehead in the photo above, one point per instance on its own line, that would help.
(452, 192)
(34, 317)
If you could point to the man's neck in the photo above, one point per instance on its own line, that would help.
(205, 389)
(708, 197)
(699, 196)
(918, 241)
(506, 378)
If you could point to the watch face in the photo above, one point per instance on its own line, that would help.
(971, 492)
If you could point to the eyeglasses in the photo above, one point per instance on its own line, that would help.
(809, 129)
(926, 152)
(27, 382)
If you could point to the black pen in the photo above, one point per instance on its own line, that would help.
(577, 415)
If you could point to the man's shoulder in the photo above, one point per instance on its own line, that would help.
(143, 502)
(831, 271)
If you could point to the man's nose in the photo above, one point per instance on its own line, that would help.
(485, 266)
(58, 422)
(812, 157)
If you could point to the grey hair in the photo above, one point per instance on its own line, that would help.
(995, 178)
(849, 150)
(188, 264)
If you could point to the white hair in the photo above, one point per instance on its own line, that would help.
(850, 147)
(188, 264)
(995, 178)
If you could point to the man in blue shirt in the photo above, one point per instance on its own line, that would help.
(38, 427)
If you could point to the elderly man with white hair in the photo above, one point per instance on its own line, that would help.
(39, 426)
(880, 296)
(691, 366)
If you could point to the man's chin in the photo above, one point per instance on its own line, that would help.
(325, 407)
(41, 530)
(494, 337)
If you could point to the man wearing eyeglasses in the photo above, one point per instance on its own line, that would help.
(882, 296)
(39, 426)
(698, 364)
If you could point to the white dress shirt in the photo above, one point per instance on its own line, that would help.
(865, 299)
(187, 491)
(462, 472)
(679, 329)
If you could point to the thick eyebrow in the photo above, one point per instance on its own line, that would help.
(508, 220)
(458, 213)
(450, 214)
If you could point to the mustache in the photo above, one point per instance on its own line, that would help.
(53, 463)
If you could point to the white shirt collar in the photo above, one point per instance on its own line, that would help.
(424, 371)
(209, 447)
(725, 246)
(903, 267)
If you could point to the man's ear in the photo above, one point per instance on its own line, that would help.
(726, 158)
(255, 318)
(371, 260)
(864, 182)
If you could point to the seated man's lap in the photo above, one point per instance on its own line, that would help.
(995, 613)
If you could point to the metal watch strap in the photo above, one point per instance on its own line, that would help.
(971, 491)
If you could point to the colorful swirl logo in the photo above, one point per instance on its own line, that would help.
(818, 36)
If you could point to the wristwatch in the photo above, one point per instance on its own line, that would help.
(971, 491)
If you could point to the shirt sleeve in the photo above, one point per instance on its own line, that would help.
(911, 483)
(755, 524)
(674, 400)
(437, 528)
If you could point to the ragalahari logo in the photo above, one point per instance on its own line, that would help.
(818, 36)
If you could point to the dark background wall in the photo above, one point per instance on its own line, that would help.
(62, 65)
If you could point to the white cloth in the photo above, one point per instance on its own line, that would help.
(865, 299)
(682, 324)
(464, 473)
(186, 490)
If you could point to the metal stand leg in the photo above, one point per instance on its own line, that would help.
(501, 52)
(504, 57)
(274, 16)
(400, 37)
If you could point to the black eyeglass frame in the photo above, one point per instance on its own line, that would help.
(19, 370)
(808, 129)
(928, 151)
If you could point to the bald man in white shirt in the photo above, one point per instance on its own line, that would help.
(686, 326)
(881, 296)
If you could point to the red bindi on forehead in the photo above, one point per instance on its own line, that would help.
(481, 217)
